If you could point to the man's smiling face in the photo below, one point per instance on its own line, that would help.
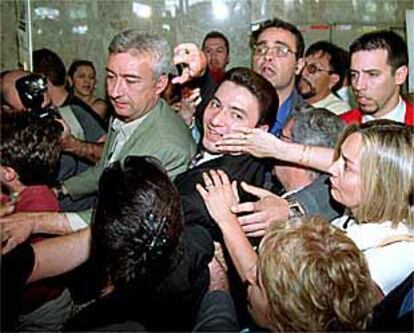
(231, 106)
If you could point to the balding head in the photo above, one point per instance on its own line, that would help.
(9, 94)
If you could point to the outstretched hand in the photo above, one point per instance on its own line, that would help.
(262, 213)
(219, 195)
(194, 60)
(254, 141)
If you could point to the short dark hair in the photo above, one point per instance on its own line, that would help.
(277, 23)
(337, 56)
(77, 63)
(217, 34)
(137, 222)
(261, 88)
(30, 146)
(48, 63)
(387, 40)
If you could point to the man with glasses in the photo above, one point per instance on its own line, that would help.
(322, 75)
(278, 48)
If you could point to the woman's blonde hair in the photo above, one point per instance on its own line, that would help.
(387, 171)
(314, 278)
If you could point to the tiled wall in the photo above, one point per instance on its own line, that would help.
(83, 28)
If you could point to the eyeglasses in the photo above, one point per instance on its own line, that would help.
(281, 50)
(312, 69)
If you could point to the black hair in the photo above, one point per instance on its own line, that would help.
(77, 63)
(30, 146)
(217, 34)
(390, 41)
(48, 63)
(337, 56)
(261, 88)
(277, 23)
(137, 222)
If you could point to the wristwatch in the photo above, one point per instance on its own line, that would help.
(295, 208)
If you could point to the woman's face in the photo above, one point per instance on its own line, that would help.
(84, 80)
(346, 173)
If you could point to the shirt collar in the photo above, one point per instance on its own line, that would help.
(127, 128)
(398, 114)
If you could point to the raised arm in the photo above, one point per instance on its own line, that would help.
(219, 196)
(260, 143)
(59, 255)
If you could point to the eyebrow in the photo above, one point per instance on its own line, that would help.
(134, 76)
(347, 159)
(276, 42)
(233, 107)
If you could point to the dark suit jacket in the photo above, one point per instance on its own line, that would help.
(241, 168)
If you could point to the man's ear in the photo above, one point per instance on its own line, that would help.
(264, 127)
(8, 174)
(161, 84)
(401, 75)
(333, 79)
(299, 65)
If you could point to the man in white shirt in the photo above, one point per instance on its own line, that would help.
(324, 72)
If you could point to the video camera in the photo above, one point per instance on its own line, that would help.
(32, 89)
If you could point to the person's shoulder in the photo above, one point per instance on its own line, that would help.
(352, 116)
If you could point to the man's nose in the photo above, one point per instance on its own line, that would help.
(359, 82)
(218, 119)
(115, 89)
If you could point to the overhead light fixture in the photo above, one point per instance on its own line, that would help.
(141, 10)
(220, 10)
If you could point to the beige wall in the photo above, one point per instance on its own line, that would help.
(57, 23)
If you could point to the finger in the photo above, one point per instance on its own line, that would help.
(198, 101)
(254, 218)
(10, 245)
(231, 149)
(245, 207)
(235, 190)
(183, 78)
(259, 233)
(216, 178)
(242, 129)
(223, 177)
(254, 227)
(257, 191)
(207, 180)
(202, 191)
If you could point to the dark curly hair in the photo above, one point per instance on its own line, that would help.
(30, 146)
(137, 222)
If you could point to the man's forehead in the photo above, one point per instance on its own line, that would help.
(214, 41)
(319, 57)
(369, 59)
(275, 35)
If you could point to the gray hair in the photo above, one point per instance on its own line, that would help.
(316, 127)
(137, 42)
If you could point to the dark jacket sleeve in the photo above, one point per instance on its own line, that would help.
(217, 313)
(16, 267)
(316, 199)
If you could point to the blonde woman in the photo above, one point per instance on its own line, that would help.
(372, 176)
(308, 275)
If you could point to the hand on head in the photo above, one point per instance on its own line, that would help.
(253, 141)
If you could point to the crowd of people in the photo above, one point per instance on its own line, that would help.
(278, 197)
